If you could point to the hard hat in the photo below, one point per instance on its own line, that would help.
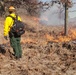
(11, 8)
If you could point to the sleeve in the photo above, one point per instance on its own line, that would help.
(7, 24)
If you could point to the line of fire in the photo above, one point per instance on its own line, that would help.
(66, 35)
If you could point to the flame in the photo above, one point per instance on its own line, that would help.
(53, 38)
(60, 38)
(49, 37)
(27, 40)
(36, 19)
(72, 34)
(63, 39)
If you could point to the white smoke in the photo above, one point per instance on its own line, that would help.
(53, 16)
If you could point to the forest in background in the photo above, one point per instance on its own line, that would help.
(32, 7)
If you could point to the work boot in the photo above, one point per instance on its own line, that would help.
(20, 56)
(17, 58)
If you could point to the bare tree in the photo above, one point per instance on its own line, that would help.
(2, 8)
(30, 6)
(69, 2)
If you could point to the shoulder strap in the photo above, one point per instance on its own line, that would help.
(13, 17)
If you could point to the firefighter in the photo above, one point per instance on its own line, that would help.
(14, 39)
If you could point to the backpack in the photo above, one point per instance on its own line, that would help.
(18, 27)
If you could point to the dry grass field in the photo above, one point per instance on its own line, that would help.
(46, 51)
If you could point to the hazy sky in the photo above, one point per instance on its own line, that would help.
(71, 14)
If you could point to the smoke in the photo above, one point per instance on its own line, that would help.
(53, 15)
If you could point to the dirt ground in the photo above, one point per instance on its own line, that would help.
(45, 50)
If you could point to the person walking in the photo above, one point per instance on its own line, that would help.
(14, 38)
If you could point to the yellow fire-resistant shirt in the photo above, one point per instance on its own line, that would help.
(8, 23)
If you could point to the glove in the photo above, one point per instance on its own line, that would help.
(5, 37)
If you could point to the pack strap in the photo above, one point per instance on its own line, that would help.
(13, 17)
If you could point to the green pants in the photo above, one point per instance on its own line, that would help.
(15, 43)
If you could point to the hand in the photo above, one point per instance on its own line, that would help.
(6, 37)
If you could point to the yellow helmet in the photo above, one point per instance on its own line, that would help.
(11, 8)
